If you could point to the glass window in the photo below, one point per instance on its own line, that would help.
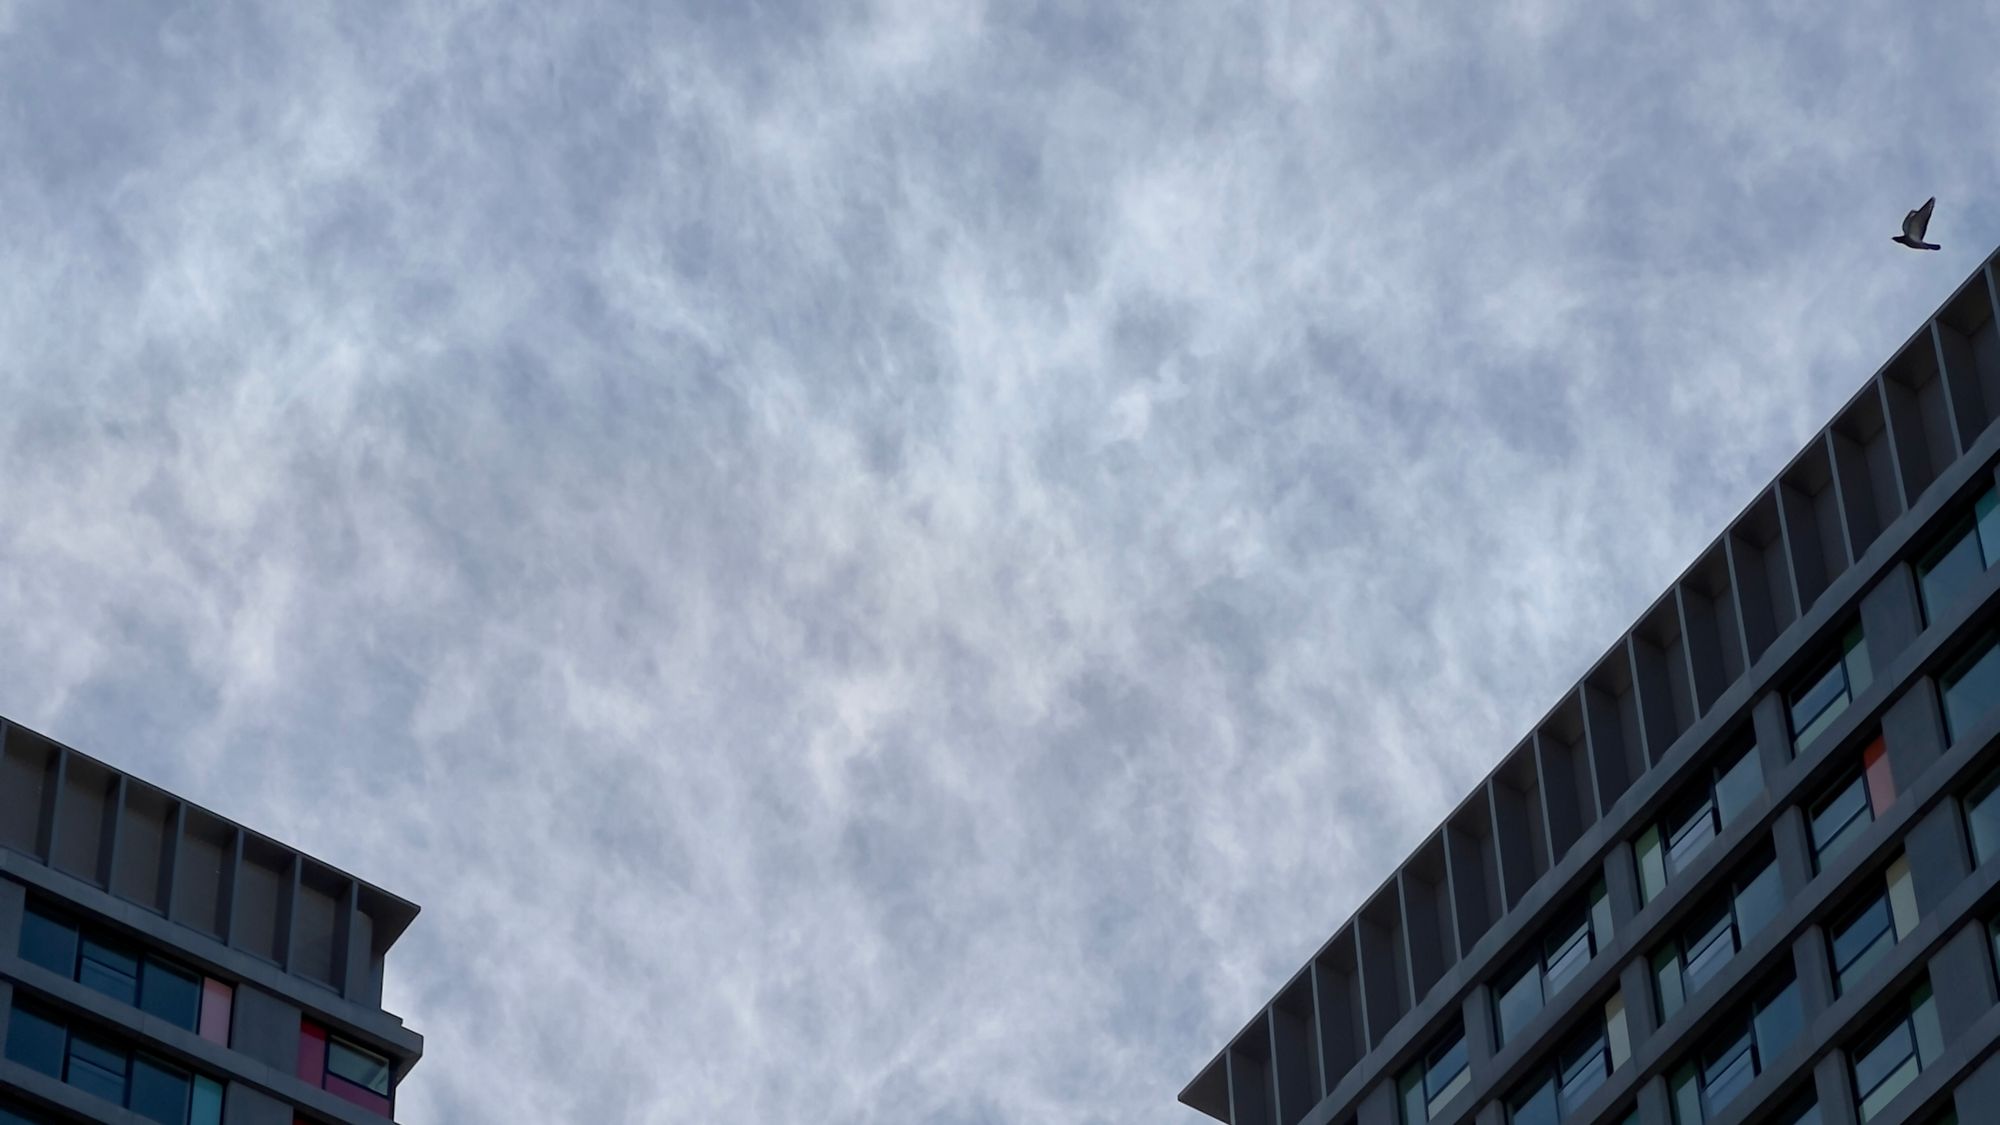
(1758, 899)
(1825, 694)
(1713, 934)
(48, 941)
(1982, 816)
(1890, 1059)
(205, 1105)
(1585, 1063)
(36, 1041)
(159, 1091)
(96, 1067)
(1568, 945)
(1971, 688)
(1535, 1106)
(170, 994)
(1860, 939)
(1696, 818)
(110, 969)
(1734, 1053)
(1802, 1110)
(370, 1071)
(1839, 818)
(1950, 569)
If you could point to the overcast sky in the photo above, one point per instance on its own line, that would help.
(903, 562)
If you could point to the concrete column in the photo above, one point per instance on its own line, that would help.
(1962, 979)
(266, 1028)
(1480, 1032)
(1642, 1016)
(13, 901)
(1891, 616)
(1378, 1106)
(1913, 731)
(1814, 968)
(1938, 854)
(1792, 842)
(1977, 1092)
(1621, 885)
(242, 1105)
(1835, 1090)
(1773, 728)
(1655, 1108)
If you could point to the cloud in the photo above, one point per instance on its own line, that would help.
(912, 560)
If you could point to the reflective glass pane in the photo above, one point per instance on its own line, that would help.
(1518, 1001)
(1707, 951)
(1446, 1066)
(1584, 1067)
(1535, 1107)
(1885, 1091)
(1600, 917)
(1442, 1098)
(1833, 823)
(1667, 980)
(370, 1071)
(1727, 1079)
(1689, 837)
(1859, 673)
(36, 1041)
(48, 942)
(1982, 816)
(159, 1091)
(110, 969)
(1739, 785)
(1652, 864)
(1758, 901)
(1856, 936)
(1687, 1097)
(1410, 1091)
(1778, 1022)
(96, 1067)
(1569, 959)
(1971, 691)
(1951, 571)
(1924, 1024)
(205, 1106)
(170, 994)
(1880, 1058)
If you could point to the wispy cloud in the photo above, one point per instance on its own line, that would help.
(911, 560)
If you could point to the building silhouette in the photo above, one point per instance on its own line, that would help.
(1745, 871)
(160, 963)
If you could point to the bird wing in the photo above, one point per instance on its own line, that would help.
(1915, 223)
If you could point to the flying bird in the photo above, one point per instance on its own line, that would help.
(1914, 225)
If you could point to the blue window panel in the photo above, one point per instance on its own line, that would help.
(97, 1068)
(110, 970)
(205, 1106)
(170, 994)
(1971, 691)
(159, 1091)
(49, 942)
(35, 1041)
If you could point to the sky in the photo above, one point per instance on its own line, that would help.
(904, 561)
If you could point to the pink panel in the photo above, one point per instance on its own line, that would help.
(1881, 785)
(217, 999)
(366, 1099)
(312, 1053)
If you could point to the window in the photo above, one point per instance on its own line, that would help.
(1891, 1057)
(1851, 806)
(1826, 693)
(1982, 816)
(1582, 1063)
(127, 974)
(1801, 1110)
(103, 1067)
(1972, 687)
(1426, 1088)
(356, 1074)
(1574, 938)
(1715, 933)
(1735, 1053)
(1864, 933)
(1967, 550)
(1695, 818)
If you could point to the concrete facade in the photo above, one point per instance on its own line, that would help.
(1845, 537)
(280, 943)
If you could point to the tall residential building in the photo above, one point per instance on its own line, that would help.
(160, 963)
(1746, 872)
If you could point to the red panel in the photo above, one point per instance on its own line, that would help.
(217, 1000)
(312, 1053)
(1881, 785)
(367, 1099)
